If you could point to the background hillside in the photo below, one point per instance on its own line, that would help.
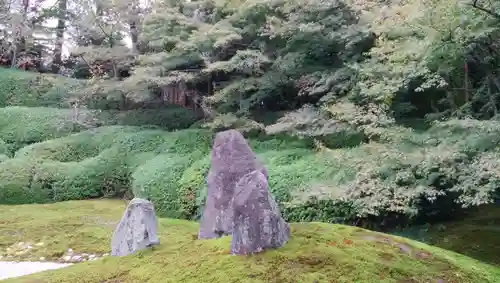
(377, 114)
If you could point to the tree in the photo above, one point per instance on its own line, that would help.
(62, 12)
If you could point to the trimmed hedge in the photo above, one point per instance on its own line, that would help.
(22, 126)
(20, 88)
(404, 175)
(166, 167)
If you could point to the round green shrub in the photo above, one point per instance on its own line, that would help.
(72, 148)
(21, 126)
(168, 118)
(192, 188)
(105, 175)
(19, 88)
(157, 180)
(29, 180)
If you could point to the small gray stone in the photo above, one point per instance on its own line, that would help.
(232, 158)
(258, 224)
(137, 230)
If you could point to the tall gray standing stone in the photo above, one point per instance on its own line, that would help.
(232, 158)
(258, 224)
(137, 230)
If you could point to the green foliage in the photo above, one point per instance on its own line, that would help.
(338, 77)
(4, 147)
(28, 180)
(167, 118)
(20, 126)
(247, 127)
(19, 88)
(167, 167)
(407, 176)
(157, 180)
(193, 186)
(402, 174)
(260, 54)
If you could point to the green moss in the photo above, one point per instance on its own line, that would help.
(317, 252)
(475, 235)
(86, 226)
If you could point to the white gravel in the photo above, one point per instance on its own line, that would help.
(10, 269)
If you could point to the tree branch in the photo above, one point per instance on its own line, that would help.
(489, 12)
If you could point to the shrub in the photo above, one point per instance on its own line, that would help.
(4, 147)
(168, 118)
(21, 126)
(193, 187)
(156, 180)
(410, 177)
(106, 175)
(403, 176)
(18, 88)
(101, 162)
(26, 180)
(166, 167)
(72, 148)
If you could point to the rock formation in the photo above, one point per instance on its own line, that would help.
(137, 229)
(232, 158)
(257, 224)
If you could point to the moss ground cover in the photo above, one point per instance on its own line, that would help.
(317, 252)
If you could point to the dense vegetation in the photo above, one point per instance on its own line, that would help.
(368, 113)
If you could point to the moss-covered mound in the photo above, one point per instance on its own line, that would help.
(317, 252)
(475, 235)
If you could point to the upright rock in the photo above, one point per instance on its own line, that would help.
(232, 158)
(258, 224)
(137, 229)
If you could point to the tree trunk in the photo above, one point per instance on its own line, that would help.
(133, 23)
(134, 36)
(61, 27)
(19, 40)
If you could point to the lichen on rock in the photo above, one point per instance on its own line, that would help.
(232, 158)
(257, 224)
(137, 230)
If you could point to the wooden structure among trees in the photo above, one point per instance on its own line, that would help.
(183, 96)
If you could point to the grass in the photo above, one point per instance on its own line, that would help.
(317, 252)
